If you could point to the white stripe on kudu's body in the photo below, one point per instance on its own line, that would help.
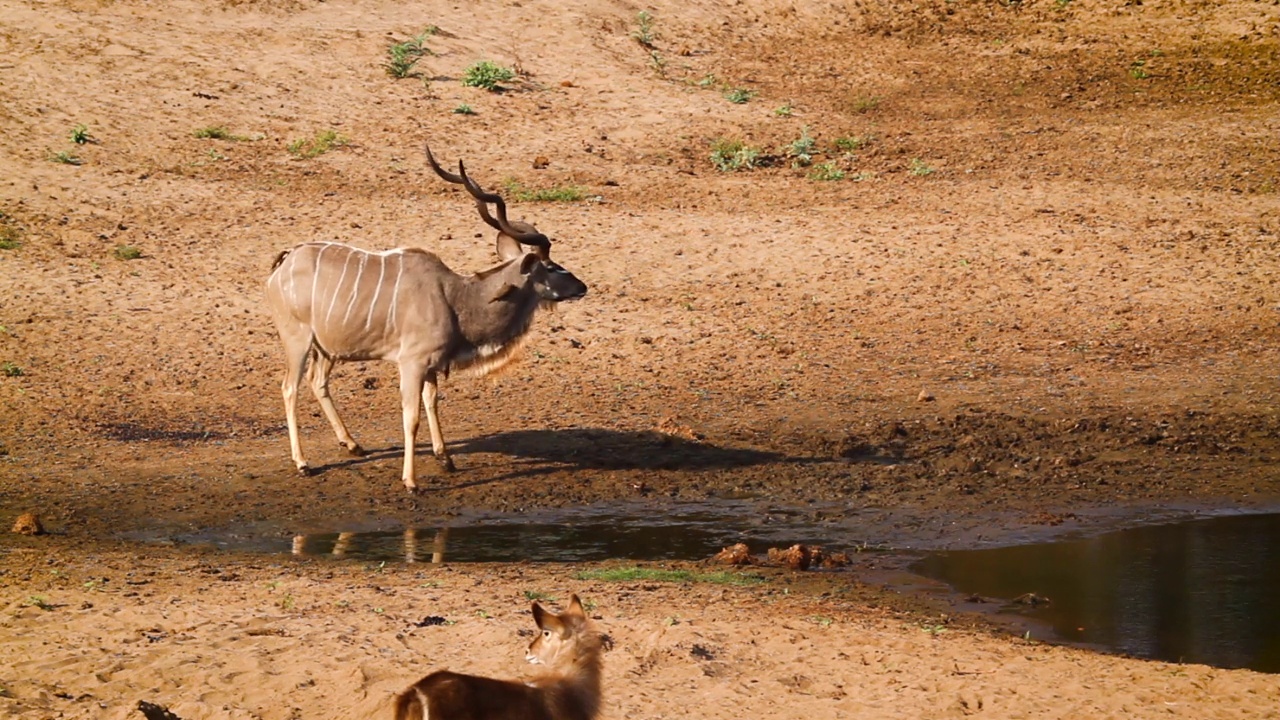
(429, 319)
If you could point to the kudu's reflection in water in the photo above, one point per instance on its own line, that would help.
(342, 545)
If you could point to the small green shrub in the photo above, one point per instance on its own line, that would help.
(802, 149)
(402, 56)
(739, 96)
(321, 143)
(729, 155)
(80, 135)
(645, 34)
(785, 111)
(126, 252)
(487, 74)
(11, 370)
(1138, 70)
(463, 109)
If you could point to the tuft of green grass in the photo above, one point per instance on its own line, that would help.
(631, 574)
(802, 149)
(66, 157)
(487, 74)
(851, 143)
(402, 56)
(219, 132)
(10, 233)
(9, 369)
(321, 143)
(920, 168)
(785, 111)
(463, 109)
(826, 171)
(866, 103)
(644, 33)
(520, 193)
(80, 135)
(738, 96)
(729, 155)
(1138, 70)
(40, 601)
(535, 595)
(127, 252)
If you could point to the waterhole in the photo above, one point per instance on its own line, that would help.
(1201, 591)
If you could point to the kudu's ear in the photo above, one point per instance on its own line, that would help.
(508, 248)
(514, 277)
(575, 606)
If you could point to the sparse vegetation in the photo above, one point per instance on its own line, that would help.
(126, 252)
(730, 155)
(319, 144)
(487, 74)
(866, 103)
(10, 233)
(80, 135)
(920, 168)
(630, 574)
(66, 157)
(9, 369)
(783, 111)
(802, 149)
(738, 96)
(1138, 70)
(658, 63)
(219, 132)
(463, 109)
(403, 56)
(520, 193)
(40, 601)
(863, 176)
(852, 143)
(644, 33)
(826, 171)
(535, 595)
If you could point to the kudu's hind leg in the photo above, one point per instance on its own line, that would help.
(430, 398)
(318, 375)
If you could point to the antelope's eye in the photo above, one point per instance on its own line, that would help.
(546, 634)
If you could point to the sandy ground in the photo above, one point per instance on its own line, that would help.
(1044, 291)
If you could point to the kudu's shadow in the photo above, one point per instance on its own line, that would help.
(536, 452)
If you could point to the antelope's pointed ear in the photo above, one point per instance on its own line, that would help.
(575, 606)
(508, 248)
(539, 615)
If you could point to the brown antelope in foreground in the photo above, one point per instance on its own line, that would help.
(333, 302)
(570, 648)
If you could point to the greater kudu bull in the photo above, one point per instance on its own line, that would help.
(333, 303)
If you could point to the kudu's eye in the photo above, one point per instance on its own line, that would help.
(546, 634)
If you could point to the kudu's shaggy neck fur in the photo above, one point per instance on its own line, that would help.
(494, 319)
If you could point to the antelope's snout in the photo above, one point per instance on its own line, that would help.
(561, 285)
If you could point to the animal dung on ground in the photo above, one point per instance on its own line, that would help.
(28, 524)
(804, 557)
(735, 555)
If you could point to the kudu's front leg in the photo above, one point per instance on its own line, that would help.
(430, 398)
(411, 379)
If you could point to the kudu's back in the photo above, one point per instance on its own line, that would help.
(567, 645)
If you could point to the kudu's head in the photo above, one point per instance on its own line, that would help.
(548, 278)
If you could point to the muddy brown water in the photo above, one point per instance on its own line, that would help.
(1199, 591)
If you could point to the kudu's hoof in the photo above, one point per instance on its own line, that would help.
(446, 463)
(356, 451)
(306, 471)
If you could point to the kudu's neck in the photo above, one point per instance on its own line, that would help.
(493, 326)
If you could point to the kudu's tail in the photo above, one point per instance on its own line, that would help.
(279, 259)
